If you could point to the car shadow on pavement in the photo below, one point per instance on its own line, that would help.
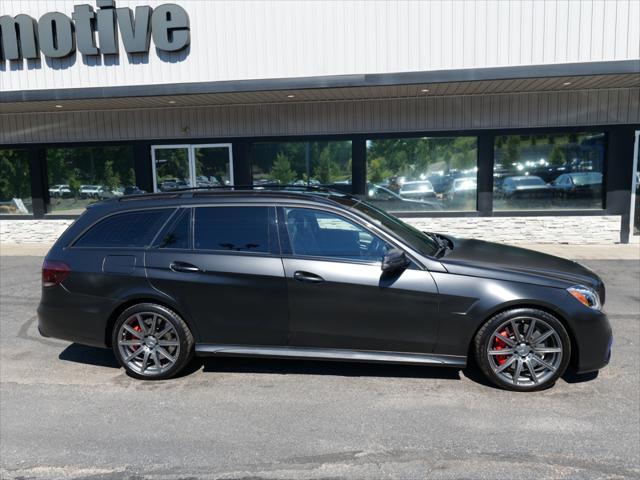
(101, 357)
(314, 367)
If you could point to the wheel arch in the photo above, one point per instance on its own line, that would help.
(573, 361)
(143, 298)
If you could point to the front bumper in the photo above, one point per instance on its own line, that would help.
(593, 341)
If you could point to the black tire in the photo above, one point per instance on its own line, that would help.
(180, 338)
(485, 341)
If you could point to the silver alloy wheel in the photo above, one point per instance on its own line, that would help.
(148, 343)
(525, 351)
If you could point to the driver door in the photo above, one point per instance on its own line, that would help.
(338, 294)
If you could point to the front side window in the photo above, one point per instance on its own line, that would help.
(126, 230)
(323, 234)
(552, 171)
(233, 229)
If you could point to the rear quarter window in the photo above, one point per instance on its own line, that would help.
(129, 229)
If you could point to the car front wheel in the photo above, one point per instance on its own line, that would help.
(523, 349)
(152, 342)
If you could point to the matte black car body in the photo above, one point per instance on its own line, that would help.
(240, 303)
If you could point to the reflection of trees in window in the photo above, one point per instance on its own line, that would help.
(172, 163)
(303, 162)
(81, 175)
(14, 176)
(573, 151)
(419, 157)
(105, 166)
(212, 163)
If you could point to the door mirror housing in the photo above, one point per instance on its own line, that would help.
(395, 260)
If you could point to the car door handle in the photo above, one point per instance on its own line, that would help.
(308, 277)
(183, 267)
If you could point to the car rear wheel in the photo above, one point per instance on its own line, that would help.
(523, 349)
(152, 342)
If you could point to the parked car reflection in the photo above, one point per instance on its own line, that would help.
(578, 184)
(417, 189)
(386, 199)
(528, 186)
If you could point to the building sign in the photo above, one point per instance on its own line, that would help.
(94, 32)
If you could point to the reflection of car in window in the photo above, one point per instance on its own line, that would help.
(528, 186)
(578, 184)
(389, 200)
(60, 191)
(417, 189)
(463, 187)
(89, 191)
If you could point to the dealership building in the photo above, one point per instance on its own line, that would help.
(509, 121)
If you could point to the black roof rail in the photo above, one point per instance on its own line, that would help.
(174, 193)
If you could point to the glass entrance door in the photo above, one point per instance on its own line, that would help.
(183, 166)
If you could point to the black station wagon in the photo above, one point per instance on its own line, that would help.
(313, 274)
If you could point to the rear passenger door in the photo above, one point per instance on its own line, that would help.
(222, 265)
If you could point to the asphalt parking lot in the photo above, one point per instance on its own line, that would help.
(68, 411)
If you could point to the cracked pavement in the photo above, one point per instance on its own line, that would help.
(68, 411)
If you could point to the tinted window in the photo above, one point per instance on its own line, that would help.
(15, 189)
(131, 229)
(323, 234)
(301, 163)
(421, 173)
(79, 176)
(238, 229)
(178, 235)
(549, 171)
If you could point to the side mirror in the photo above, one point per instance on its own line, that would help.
(394, 260)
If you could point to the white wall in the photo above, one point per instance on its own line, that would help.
(234, 40)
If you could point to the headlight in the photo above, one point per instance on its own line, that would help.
(586, 296)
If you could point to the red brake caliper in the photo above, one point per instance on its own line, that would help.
(137, 329)
(500, 345)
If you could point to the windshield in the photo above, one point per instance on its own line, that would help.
(413, 237)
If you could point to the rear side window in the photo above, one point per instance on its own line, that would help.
(131, 229)
(236, 229)
(178, 234)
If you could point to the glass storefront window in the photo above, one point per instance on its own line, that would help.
(636, 219)
(552, 171)
(423, 174)
(301, 163)
(82, 175)
(15, 186)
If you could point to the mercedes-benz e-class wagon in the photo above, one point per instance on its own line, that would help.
(313, 275)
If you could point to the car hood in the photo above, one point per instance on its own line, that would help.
(503, 262)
